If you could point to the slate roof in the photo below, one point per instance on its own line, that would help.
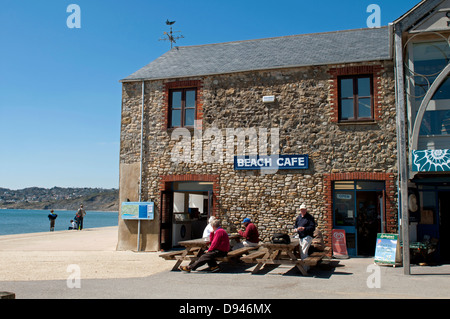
(289, 51)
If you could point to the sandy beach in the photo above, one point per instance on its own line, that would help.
(46, 256)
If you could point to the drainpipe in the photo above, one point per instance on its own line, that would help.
(142, 141)
(401, 150)
(140, 168)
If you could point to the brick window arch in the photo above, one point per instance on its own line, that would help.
(353, 71)
(182, 85)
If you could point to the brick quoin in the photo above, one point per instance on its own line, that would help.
(390, 197)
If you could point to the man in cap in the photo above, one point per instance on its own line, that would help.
(305, 226)
(250, 234)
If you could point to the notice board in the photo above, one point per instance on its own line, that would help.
(386, 248)
(138, 210)
(339, 244)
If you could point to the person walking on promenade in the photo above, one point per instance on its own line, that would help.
(52, 218)
(81, 213)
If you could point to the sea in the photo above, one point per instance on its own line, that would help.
(22, 221)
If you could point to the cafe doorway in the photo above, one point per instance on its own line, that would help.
(358, 208)
(185, 210)
(433, 222)
(444, 226)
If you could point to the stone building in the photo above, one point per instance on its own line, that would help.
(422, 55)
(202, 127)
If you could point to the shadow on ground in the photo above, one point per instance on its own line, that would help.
(324, 270)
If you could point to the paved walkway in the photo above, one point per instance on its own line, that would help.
(36, 266)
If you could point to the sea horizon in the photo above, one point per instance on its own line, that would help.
(60, 209)
(23, 221)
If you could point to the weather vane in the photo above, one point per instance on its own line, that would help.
(169, 36)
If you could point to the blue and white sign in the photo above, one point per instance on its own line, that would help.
(272, 162)
(138, 210)
(431, 161)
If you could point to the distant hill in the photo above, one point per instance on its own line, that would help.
(94, 199)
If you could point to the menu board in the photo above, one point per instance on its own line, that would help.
(386, 248)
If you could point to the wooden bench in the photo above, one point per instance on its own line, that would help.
(317, 256)
(311, 261)
(251, 258)
(234, 255)
(171, 255)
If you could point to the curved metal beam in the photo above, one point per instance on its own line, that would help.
(423, 106)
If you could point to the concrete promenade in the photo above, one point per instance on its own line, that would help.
(46, 265)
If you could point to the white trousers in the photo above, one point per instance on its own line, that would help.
(305, 243)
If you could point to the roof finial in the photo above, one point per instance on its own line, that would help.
(169, 35)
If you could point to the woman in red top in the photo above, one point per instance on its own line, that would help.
(220, 246)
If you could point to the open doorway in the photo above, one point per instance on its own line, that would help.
(368, 222)
(191, 213)
(444, 226)
(185, 210)
(358, 208)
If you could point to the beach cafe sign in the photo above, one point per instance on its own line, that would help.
(271, 162)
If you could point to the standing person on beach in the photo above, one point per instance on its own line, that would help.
(52, 217)
(81, 213)
(77, 221)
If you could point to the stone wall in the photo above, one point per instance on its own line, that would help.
(303, 113)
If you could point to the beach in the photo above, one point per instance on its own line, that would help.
(47, 255)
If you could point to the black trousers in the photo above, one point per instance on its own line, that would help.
(208, 258)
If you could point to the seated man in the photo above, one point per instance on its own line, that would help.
(220, 246)
(251, 235)
(305, 226)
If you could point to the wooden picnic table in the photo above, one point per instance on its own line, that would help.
(194, 248)
(281, 254)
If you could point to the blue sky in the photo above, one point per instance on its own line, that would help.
(60, 96)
